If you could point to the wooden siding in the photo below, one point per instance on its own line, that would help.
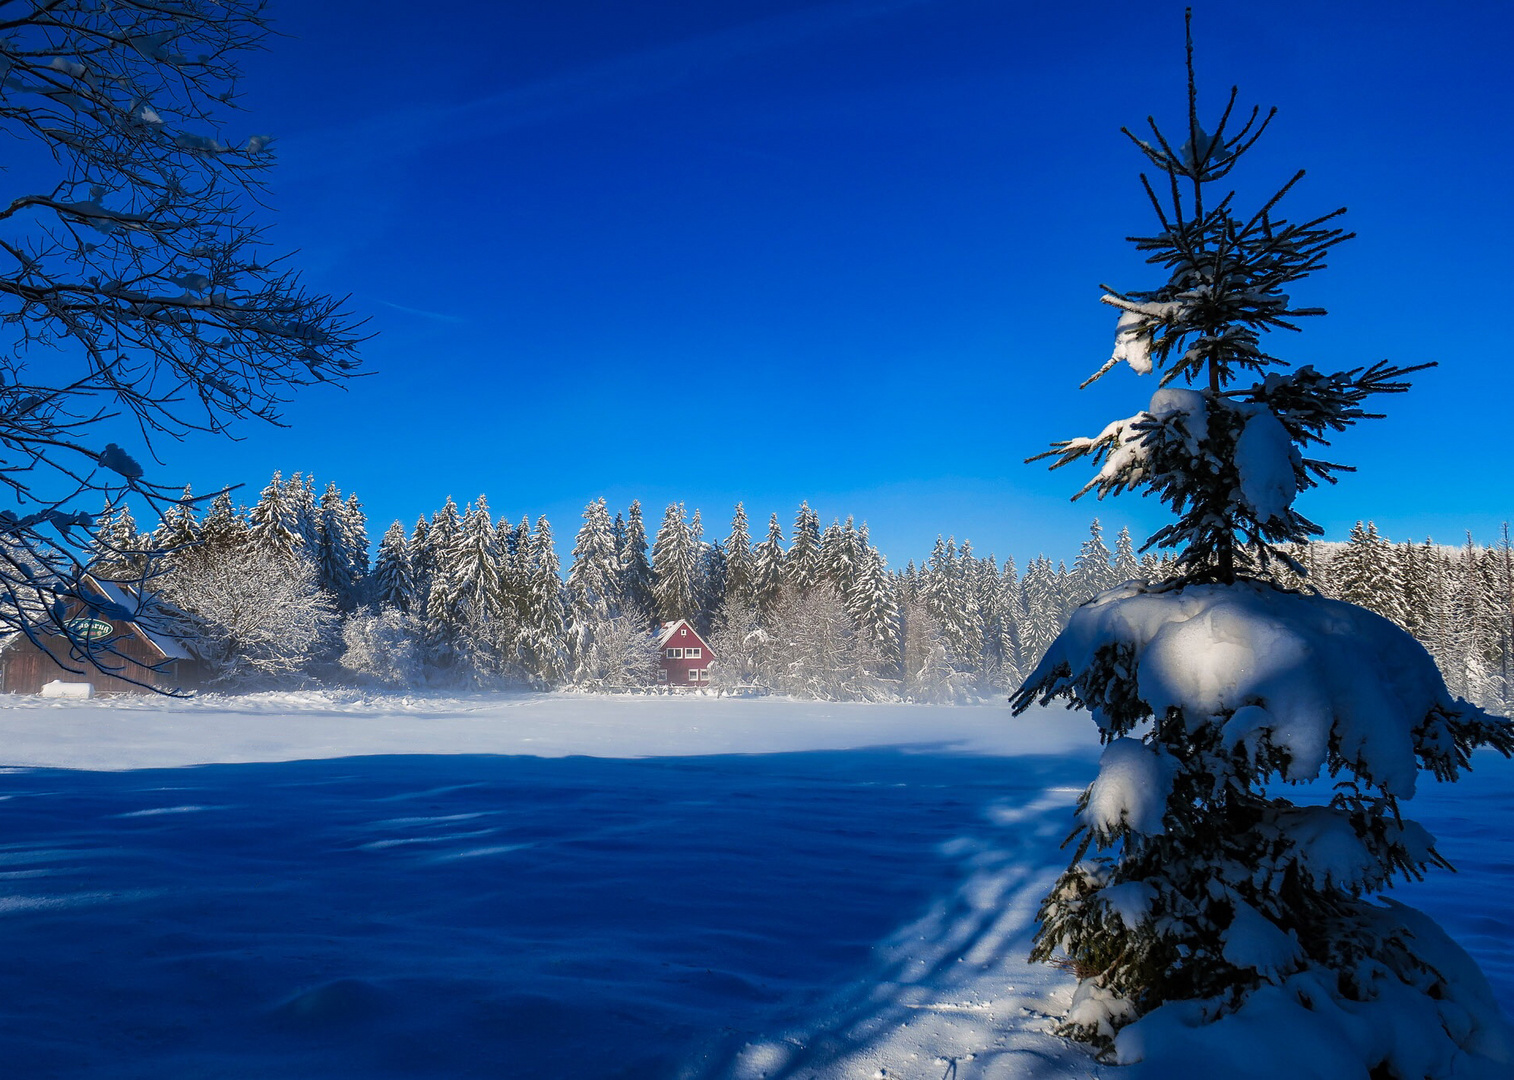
(675, 670)
(25, 668)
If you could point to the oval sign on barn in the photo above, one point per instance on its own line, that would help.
(89, 629)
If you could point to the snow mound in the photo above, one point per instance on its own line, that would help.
(1277, 670)
(1330, 1037)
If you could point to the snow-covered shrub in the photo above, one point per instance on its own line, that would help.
(384, 647)
(1197, 892)
(617, 654)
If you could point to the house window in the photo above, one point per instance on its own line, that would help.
(662, 674)
(693, 674)
(675, 654)
(704, 674)
(683, 631)
(693, 654)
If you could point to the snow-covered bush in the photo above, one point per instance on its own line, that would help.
(1198, 893)
(617, 654)
(384, 647)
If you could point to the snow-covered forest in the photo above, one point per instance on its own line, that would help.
(287, 588)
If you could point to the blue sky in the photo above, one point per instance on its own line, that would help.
(850, 251)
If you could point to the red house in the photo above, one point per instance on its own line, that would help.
(684, 658)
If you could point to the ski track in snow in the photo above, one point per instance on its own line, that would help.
(289, 885)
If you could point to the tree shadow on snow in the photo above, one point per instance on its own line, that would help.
(462, 915)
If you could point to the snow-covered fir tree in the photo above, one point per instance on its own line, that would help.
(393, 577)
(118, 551)
(543, 640)
(1126, 566)
(801, 564)
(1197, 890)
(1366, 573)
(273, 525)
(475, 596)
(1092, 571)
(224, 528)
(875, 613)
(740, 565)
(767, 568)
(593, 588)
(299, 496)
(444, 615)
(635, 569)
(177, 529)
(675, 562)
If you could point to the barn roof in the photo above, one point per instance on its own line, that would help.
(142, 617)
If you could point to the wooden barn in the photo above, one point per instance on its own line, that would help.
(684, 658)
(141, 653)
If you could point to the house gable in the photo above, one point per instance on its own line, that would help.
(683, 656)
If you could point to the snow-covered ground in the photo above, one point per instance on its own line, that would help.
(324, 885)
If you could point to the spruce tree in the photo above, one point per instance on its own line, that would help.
(1195, 884)
(422, 562)
(1365, 573)
(224, 530)
(273, 529)
(1092, 571)
(1126, 566)
(801, 565)
(544, 637)
(635, 569)
(593, 587)
(393, 576)
(740, 568)
(118, 551)
(354, 526)
(177, 528)
(674, 565)
(875, 612)
(767, 570)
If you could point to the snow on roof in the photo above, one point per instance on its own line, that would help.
(668, 628)
(141, 618)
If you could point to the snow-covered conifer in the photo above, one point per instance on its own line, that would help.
(299, 496)
(740, 566)
(177, 529)
(273, 528)
(674, 564)
(337, 551)
(1365, 573)
(543, 637)
(354, 525)
(1092, 572)
(767, 568)
(593, 589)
(1196, 885)
(801, 565)
(119, 551)
(1043, 609)
(224, 529)
(422, 562)
(1126, 566)
(635, 570)
(393, 575)
(444, 616)
(874, 611)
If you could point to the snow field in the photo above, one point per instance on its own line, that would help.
(326, 885)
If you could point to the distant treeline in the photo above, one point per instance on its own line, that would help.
(285, 587)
